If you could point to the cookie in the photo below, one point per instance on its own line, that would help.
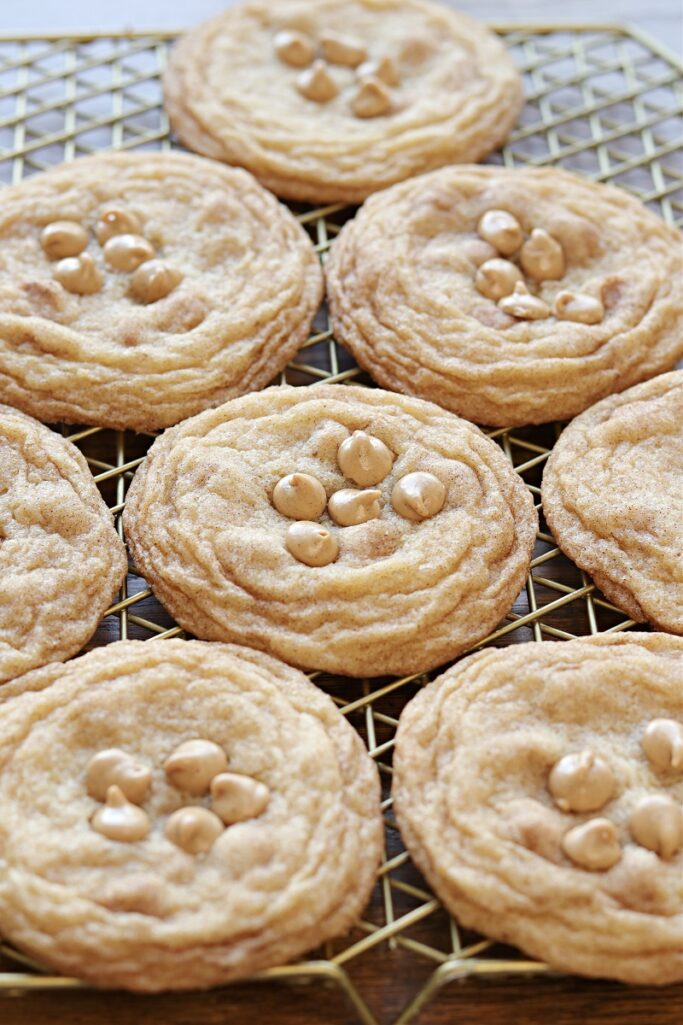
(539, 789)
(139, 288)
(143, 781)
(339, 528)
(328, 101)
(61, 561)
(613, 498)
(508, 296)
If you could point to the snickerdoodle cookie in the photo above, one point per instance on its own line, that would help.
(613, 498)
(539, 789)
(338, 528)
(507, 296)
(175, 814)
(61, 561)
(139, 288)
(329, 101)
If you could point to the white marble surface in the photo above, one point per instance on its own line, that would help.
(661, 18)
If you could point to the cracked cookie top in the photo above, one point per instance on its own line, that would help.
(61, 560)
(613, 498)
(144, 781)
(326, 101)
(540, 790)
(341, 528)
(510, 296)
(139, 288)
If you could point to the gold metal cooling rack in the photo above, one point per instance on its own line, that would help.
(601, 100)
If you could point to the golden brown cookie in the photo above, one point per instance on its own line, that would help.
(339, 528)
(539, 789)
(61, 561)
(613, 498)
(139, 288)
(175, 814)
(327, 101)
(507, 296)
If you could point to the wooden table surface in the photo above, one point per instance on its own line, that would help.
(566, 1001)
(388, 982)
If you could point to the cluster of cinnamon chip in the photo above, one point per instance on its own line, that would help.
(584, 782)
(197, 768)
(541, 258)
(316, 82)
(125, 249)
(366, 461)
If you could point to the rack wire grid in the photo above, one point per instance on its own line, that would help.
(601, 100)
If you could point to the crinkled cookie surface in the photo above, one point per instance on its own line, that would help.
(149, 915)
(473, 755)
(613, 498)
(402, 287)
(450, 93)
(400, 597)
(61, 561)
(244, 287)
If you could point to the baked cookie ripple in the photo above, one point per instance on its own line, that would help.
(613, 498)
(388, 594)
(472, 769)
(327, 102)
(420, 286)
(61, 561)
(149, 914)
(139, 288)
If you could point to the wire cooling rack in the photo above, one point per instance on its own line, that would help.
(600, 100)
